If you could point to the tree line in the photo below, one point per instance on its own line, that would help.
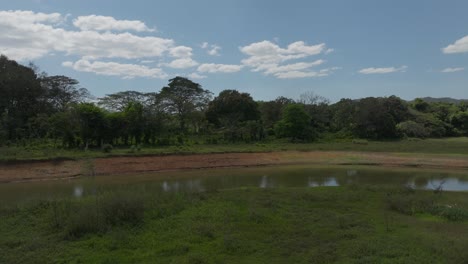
(42, 109)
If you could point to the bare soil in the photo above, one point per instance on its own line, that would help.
(53, 170)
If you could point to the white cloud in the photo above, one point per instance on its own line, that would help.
(328, 51)
(447, 70)
(212, 49)
(181, 52)
(196, 76)
(182, 63)
(27, 35)
(213, 68)
(267, 57)
(29, 17)
(274, 68)
(383, 70)
(266, 52)
(305, 74)
(103, 23)
(126, 71)
(460, 46)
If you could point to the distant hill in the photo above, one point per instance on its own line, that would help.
(444, 100)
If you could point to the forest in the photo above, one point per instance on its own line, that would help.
(38, 109)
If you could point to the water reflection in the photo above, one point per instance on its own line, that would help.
(328, 182)
(208, 180)
(264, 182)
(78, 191)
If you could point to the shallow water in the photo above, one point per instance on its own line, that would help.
(261, 177)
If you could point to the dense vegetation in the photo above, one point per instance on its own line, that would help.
(37, 109)
(353, 224)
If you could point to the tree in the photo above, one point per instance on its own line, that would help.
(295, 123)
(373, 120)
(62, 91)
(460, 121)
(230, 110)
(92, 123)
(182, 97)
(119, 101)
(134, 117)
(421, 105)
(22, 96)
(271, 111)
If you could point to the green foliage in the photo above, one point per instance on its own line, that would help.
(413, 129)
(295, 123)
(107, 148)
(182, 97)
(35, 107)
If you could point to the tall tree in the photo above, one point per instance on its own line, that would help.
(295, 123)
(182, 97)
(231, 110)
(62, 91)
(119, 101)
(22, 96)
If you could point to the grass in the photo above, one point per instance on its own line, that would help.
(351, 224)
(452, 146)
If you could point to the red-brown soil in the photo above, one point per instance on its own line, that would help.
(49, 170)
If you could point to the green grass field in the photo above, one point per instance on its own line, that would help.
(354, 224)
(456, 146)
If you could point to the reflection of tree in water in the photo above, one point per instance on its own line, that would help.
(421, 182)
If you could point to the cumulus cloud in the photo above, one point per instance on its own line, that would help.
(214, 68)
(181, 52)
(460, 46)
(126, 71)
(212, 49)
(448, 70)
(383, 70)
(28, 35)
(183, 63)
(103, 23)
(269, 58)
(196, 76)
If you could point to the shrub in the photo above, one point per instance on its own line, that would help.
(360, 141)
(123, 209)
(106, 148)
(413, 129)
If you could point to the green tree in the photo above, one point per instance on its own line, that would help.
(119, 101)
(295, 123)
(271, 111)
(231, 110)
(182, 97)
(62, 91)
(22, 96)
(92, 123)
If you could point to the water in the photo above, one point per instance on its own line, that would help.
(217, 179)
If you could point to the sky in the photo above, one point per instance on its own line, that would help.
(268, 48)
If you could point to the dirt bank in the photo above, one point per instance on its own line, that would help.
(49, 170)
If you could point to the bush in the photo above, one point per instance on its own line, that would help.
(413, 129)
(123, 209)
(450, 212)
(107, 148)
(99, 215)
(360, 141)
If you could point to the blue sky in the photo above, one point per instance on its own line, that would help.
(338, 49)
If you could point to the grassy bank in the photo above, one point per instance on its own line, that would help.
(433, 146)
(295, 225)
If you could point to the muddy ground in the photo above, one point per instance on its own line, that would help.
(52, 170)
